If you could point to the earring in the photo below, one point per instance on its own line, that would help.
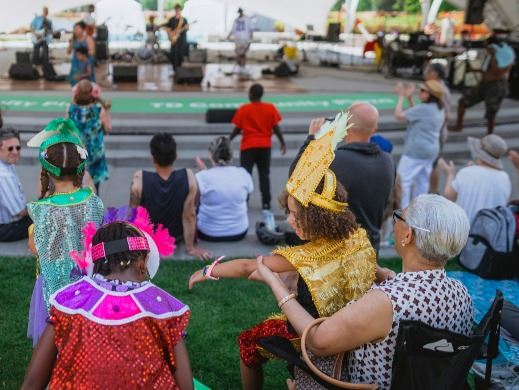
(402, 243)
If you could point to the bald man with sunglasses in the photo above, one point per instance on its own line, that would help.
(14, 220)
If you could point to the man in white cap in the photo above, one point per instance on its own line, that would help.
(484, 184)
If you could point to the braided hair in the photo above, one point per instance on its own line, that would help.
(118, 261)
(63, 155)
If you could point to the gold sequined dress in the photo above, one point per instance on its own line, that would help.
(332, 273)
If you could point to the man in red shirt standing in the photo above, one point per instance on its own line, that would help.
(257, 120)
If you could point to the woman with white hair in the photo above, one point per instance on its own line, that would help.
(224, 190)
(427, 233)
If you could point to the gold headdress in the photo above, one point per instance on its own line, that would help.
(314, 165)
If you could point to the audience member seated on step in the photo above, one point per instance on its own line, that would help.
(14, 220)
(87, 114)
(169, 194)
(482, 185)
(428, 232)
(224, 190)
(358, 164)
(422, 137)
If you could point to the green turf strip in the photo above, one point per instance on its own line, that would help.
(220, 310)
(197, 105)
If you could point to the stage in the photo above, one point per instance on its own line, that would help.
(159, 78)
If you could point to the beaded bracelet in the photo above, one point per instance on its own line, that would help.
(208, 269)
(286, 299)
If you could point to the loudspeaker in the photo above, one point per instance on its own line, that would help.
(474, 12)
(23, 57)
(286, 69)
(197, 56)
(102, 33)
(219, 115)
(125, 73)
(23, 72)
(101, 50)
(189, 75)
(334, 29)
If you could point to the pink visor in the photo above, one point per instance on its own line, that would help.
(104, 249)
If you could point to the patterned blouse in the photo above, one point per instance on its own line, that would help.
(427, 296)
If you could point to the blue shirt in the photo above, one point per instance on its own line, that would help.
(12, 198)
(38, 24)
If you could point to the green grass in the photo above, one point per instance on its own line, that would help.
(220, 310)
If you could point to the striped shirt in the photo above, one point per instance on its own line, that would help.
(12, 198)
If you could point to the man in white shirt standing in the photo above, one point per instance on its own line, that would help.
(14, 220)
(482, 185)
(241, 34)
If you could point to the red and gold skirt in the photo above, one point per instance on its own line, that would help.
(251, 353)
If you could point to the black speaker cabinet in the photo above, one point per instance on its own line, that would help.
(223, 115)
(102, 33)
(125, 73)
(474, 12)
(23, 57)
(189, 75)
(23, 71)
(334, 30)
(101, 50)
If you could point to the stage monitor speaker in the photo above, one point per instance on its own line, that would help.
(474, 12)
(334, 30)
(189, 75)
(101, 50)
(286, 69)
(125, 73)
(23, 57)
(102, 33)
(198, 56)
(23, 72)
(219, 115)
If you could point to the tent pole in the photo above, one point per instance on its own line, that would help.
(160, 10)
(433, 12)
(426, 6)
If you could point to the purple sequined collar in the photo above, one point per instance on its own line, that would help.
(115, 284)
(96, 300)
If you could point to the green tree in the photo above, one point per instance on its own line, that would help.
(152, 5)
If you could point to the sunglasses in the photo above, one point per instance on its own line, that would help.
(398, 214)
(12, 148)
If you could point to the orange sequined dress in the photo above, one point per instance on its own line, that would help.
(115, 337)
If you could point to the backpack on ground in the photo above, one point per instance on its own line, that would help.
(491, 250)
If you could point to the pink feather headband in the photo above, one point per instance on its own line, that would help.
(155, 236)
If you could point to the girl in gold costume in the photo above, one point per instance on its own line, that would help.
(336, 266)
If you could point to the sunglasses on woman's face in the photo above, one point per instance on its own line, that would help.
(10, 149)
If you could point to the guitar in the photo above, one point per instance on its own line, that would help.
(42, 34)
(175, 33)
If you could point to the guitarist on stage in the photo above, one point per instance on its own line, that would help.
(41, 27)
(177, 27)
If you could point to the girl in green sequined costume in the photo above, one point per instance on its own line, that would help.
(59, 218)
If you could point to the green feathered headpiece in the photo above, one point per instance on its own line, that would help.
(60, 130)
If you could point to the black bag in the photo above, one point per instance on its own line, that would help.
(491, 250)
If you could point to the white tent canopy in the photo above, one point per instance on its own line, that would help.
(297, 13)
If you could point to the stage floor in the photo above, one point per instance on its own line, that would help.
(158, 78)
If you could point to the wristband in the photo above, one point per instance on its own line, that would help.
(207, 270)
(286, 299)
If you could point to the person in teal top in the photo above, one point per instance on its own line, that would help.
(59, 217)
(80, 39)
(86, 113)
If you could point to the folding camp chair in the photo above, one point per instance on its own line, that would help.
(425, 358)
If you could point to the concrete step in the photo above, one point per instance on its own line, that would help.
(195, 124)
(138, 155)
